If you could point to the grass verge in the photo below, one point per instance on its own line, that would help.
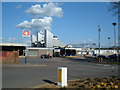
(94, 83)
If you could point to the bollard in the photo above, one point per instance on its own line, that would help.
(98, 59)
(25, 59)
(101, 59)
(62, 76)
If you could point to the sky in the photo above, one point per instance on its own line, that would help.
(72, 22)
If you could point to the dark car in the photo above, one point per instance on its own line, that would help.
(113, 56)
(57, 54)
(102, 56)
(46, 56)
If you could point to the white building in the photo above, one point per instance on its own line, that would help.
(46, 40)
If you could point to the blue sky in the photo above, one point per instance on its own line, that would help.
(79, 22)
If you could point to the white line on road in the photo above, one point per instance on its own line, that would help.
(102, 67)
(25, 65)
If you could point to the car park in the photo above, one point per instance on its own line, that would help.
(113, 56)
(101, 56)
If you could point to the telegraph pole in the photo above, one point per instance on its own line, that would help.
(99, 30)
(118, 52)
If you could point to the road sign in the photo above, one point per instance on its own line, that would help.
(26, 33)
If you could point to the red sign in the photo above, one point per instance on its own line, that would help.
(26, 33)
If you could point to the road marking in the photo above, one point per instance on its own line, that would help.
(24, 65)
(112, 67)
(101, 67)
(106, 65)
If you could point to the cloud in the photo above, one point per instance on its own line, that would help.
(27, 41)
(37, 25)
(0, 39)
(18, 6)
(45, 13)
(49, 9)
(11, 39)
(24, 25)
(88, 41)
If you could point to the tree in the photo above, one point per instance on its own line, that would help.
(115, 7)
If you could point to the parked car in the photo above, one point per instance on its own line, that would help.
(113, 56)
(102, 56)
(57, 54)
(45, 56)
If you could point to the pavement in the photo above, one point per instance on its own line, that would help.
(41, 71)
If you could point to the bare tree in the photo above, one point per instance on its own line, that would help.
(115, 7)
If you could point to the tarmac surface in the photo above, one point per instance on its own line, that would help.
(41, 71)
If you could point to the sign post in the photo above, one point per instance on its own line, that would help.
(26, 34)
(62, 76)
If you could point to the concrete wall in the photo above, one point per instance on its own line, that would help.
(37, 52)
(48, 39)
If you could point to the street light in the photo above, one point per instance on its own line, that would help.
(99, 30)
(109, 41)
(114, 24)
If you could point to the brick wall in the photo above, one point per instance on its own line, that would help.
(9, 57)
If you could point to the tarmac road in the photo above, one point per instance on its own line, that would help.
(36, 71)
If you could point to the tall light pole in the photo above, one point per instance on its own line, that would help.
(114, 24)
(109, 41)
(118, 52)
(99, 30)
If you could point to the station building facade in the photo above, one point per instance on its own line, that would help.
(46, 40)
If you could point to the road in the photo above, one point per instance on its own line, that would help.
(36, 71)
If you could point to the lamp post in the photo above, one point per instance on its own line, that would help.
(114, 24)
(109, 44)
(118, 51)
(99, 30)
(109, 41)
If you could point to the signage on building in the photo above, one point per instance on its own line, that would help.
(26, 33)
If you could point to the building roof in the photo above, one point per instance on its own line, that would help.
(11, 44)
(107, 48)
(37, 48)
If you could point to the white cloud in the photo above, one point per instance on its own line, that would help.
(11, 39)
(88, 41)
(0, 39)
(45, 11)
(24, 25)
(27, 40)
(50, 9)
(19, 6)
(37, 25)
